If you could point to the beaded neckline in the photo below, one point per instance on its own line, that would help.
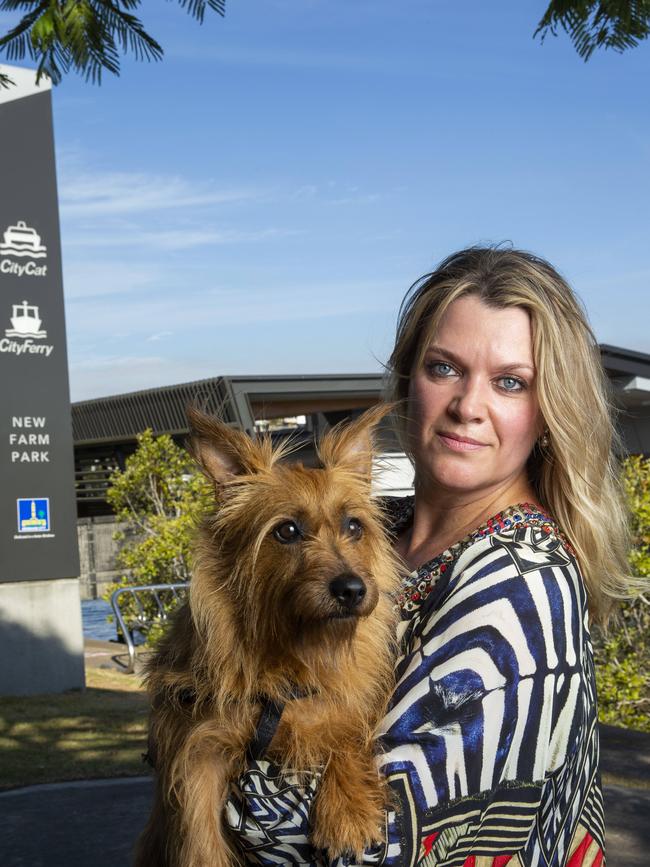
(419, 584)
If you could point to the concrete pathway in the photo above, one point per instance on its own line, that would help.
(111, 654)
(84, 824)
(95, 823)
(105, 654)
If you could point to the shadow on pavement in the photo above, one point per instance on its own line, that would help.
(87, 824)
(96, 823)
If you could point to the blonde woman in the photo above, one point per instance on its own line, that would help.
(514, 542)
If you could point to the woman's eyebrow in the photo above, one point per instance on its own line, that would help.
(508, 365)
(447, 353)
(516, 365)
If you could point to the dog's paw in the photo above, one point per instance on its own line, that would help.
(355, 828)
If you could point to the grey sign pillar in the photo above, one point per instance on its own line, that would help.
(40, 617)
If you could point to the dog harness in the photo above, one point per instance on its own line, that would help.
(269, 720)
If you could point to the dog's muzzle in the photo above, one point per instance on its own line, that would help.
(349, 591)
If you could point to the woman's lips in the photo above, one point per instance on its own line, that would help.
(458, 444)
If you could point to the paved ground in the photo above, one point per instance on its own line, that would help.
(110, 654)
(87, 824)
(95, 823)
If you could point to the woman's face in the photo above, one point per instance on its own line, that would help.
(473, 409)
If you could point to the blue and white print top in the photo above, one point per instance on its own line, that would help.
(490, 743)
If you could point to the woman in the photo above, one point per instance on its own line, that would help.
(490, 744)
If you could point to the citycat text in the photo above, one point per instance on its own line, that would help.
(20, 348)
(29, 269)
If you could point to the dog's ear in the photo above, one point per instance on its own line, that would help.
(221, 451)
(351, 444)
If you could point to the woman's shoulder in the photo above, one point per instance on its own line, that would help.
(529, 535)
(522, 541)
(512, 589)
(522, 577)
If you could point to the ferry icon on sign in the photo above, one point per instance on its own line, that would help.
(22, 240)
(25, 321)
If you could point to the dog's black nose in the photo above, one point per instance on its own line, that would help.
(349, 590)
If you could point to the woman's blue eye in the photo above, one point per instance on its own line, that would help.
(510, 383)
(440, 368)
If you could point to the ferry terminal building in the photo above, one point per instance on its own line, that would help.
(105, 431)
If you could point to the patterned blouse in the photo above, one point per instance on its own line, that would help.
(490, 744)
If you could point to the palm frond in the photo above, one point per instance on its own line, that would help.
(16, 44)
(594, 24)
(129, 32)
(87, 36)
(197, 8)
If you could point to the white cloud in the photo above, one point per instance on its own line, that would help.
(114, 374)
(355, 199)
(197, 316)
(174, 239)
(83, 279)
(110, 194)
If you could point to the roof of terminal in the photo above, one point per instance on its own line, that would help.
(240, 400)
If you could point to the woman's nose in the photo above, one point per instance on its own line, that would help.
(468, 404)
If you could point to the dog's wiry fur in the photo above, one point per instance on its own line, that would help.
(261, 620)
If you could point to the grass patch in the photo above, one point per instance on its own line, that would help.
(102, 731)
(609, 779)
(89, 734)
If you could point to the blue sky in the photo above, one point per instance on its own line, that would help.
(260, 201)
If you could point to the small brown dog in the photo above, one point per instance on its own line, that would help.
(291, 594)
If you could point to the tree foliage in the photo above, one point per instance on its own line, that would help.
(623, 655)
(161, 496)
(593, 24)
(86, 36)
(89, 36)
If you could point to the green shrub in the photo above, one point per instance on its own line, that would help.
(623, 655)
(161, 496)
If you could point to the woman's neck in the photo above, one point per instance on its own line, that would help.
(441, 518)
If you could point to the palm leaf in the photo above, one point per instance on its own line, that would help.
(197, 8)
(594, 24)
(87, 36)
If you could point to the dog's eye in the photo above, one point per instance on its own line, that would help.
(354, 528)
(287, 532)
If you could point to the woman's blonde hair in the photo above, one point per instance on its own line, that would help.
(577, 475)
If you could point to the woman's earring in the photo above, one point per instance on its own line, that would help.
(544, 440)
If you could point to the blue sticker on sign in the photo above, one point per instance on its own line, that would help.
(33, 515)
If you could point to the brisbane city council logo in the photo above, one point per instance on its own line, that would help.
(23, 243)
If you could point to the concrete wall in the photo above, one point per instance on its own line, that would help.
(41, 637)
(97, 554)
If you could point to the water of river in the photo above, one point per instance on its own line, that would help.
(93, 617)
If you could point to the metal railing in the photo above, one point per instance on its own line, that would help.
(127, 624)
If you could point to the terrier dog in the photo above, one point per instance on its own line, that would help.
(290, 595)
